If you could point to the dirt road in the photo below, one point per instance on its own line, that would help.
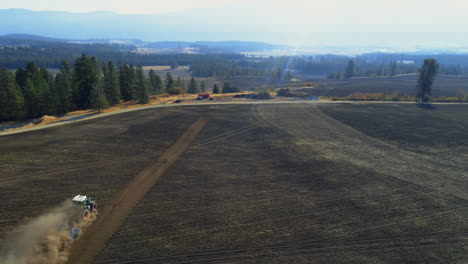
(89, 245)
(252, 102)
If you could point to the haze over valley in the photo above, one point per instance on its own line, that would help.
(233, 131)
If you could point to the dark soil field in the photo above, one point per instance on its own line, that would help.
(443, 86)
(260, 183)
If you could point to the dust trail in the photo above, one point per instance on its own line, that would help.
(45, 239)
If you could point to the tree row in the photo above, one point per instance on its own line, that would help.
(32, 92)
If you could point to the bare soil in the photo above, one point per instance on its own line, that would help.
(443, 86)
(156, 68)
(261, 183)
(95, 238)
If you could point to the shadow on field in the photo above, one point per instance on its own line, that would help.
(426, 106)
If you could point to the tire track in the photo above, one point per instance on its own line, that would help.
(347, 144)
(121, 160)
(229, 134)
(84, 166)
(312, 248)
(113, 215)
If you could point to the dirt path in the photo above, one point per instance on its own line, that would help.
(253, 102)
(95, 238)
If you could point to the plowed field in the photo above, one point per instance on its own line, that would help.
(260, 183)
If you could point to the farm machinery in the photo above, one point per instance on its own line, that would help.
(89, 206)
(204, 96)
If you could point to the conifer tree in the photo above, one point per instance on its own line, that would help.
(349, 73)
(20, 76)
(132, 83)
(98, 68)
(228, 88)
(111, 83)
(427, 74)
(11, 97)
(31, 99)
(63, 86)
(215, 89)
(156, 83)
(50, 95)
(85, 79)
(127, 81)
(193, 87)
(142, 90)
(97, 97)
(123, 81)
(38, 97)
(169, 80)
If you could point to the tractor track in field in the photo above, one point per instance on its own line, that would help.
(78, 167)
(309, 248)
(113, 215)
(229, 134)
(344, 143)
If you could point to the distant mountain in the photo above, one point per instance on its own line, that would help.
(36, 38)
(32, 37)
(184, 26)
(251, 22)
(134, 44)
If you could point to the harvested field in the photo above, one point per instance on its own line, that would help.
(443, 86)
(156, 68)
(263, 183)
(180, 71)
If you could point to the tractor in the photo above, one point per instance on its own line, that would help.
(88, 205)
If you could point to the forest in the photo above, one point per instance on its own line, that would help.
(15, 53)
(32, 92)
(51, 55)
(106, 75)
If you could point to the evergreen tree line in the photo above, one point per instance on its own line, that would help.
(33, 92)
(372, 70)
(180, 86)
(360, 68)
(51, 55)
(262, 67)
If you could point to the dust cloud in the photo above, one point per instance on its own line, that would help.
(46, 239)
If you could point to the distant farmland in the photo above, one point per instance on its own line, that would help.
(443, 86)
(156, 68)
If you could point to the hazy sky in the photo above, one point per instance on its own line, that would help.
(295, 19)
(387, 13)
(322, 16)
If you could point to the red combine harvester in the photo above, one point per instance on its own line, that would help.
(204, 96)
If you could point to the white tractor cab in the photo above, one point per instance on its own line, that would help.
(86, 203)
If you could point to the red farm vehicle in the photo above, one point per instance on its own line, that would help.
(204, 96)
